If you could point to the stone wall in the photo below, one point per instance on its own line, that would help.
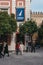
(37, 17)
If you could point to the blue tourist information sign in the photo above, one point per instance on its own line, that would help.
(20, 14)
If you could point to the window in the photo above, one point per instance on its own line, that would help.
(20, 3)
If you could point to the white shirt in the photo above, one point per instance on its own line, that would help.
(21, 46)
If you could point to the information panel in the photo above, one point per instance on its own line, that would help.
(20, 14)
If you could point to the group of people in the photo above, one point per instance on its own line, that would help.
(19, 48)
(30, 47)
(3, 49)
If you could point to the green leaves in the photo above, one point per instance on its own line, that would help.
(40, 31)
(22, 29)
(40, 34)
(13, 24)
(7, 23)
(28, 27)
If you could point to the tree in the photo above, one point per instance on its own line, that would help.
(8, 24)
(40, 33)
(29, 27)
(22, 29)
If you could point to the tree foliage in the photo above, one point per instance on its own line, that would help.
(40, 34)
(22, 29)
(28, 27)
(7, 24)
(40, 31)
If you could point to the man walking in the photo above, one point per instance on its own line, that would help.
(17, 48)
(1, 48)
(33, 46)
(5, 49)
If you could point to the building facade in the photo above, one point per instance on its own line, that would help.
(21, 9)
(37, 17)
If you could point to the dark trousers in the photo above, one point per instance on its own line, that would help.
(32, 49)
(26, 49)
(6, 53)
(6, 50)
(1, 47)
(17, 51)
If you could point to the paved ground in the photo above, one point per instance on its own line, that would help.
(25, 59)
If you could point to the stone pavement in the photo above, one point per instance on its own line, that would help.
(25, 59)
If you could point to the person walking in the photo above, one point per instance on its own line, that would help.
(17, 48)
(21, 48)
(5, 49)
(33, 46)
(1, 48)
(27, 46)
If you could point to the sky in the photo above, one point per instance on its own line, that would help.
(37, 5)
